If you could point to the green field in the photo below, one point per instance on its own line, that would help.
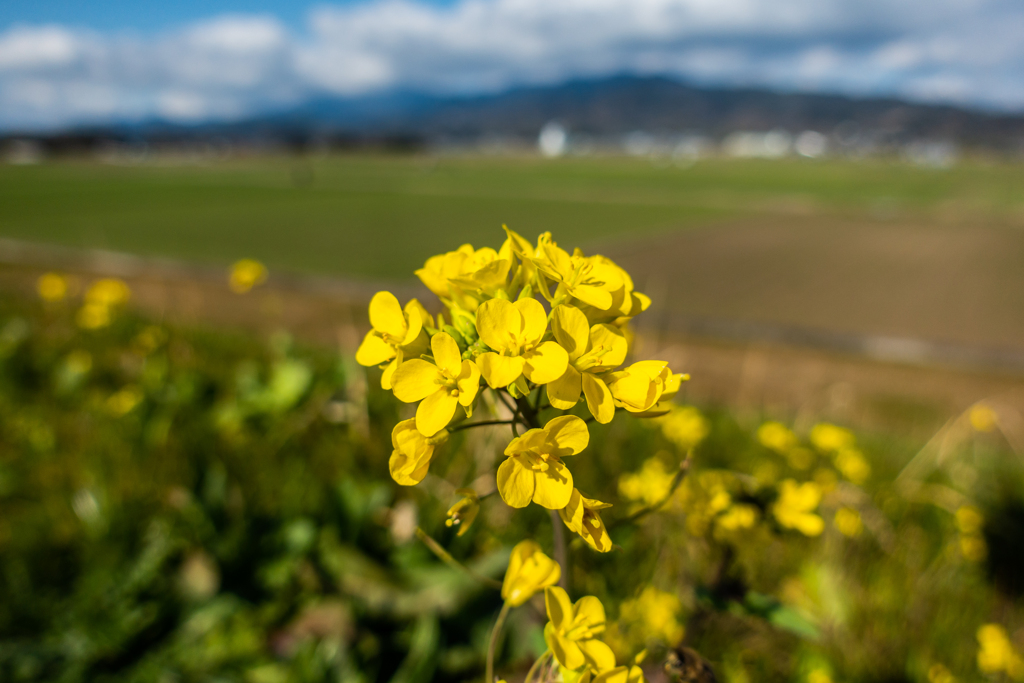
(376, 216)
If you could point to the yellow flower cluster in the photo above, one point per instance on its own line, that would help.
(532, 323)
(970, 523)
(245, 275)
(101, 300)
(996, 653)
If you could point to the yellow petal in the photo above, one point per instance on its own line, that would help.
(389, 373)
(435, 411)
(498, 323)
(599, 398)
(515, 484)
(597, 297)
(619, 674)
(569, 326)
(558, 606)
(568, 434)
(414, 323)
(572, 513)
(553, 488)
(414, 380)
(591, 609)
(546, 363)
(612, 339)
(597, 654)
(564, 392)
(535, 320)
(432, 275)
(386, 315)
(468, 382)
(415, 308)
(374, 350)
(564, 650)
(446, 353)
(500, 371)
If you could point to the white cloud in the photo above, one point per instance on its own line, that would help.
(943, 50)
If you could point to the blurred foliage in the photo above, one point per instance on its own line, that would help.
(186, 505)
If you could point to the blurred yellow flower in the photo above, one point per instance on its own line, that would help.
(93, 316)
(529, 570)
(246, 274)
(534, 469)
(515, 332)
(819, 676)
(124, 401)
(848, 522)
(795, 507)
(996, 653)
(973, 548)
(685, 426)
(648, 486)
(591, 351)
(108, 292)
(853, 466)
(654, 614)
(52, 287)
(740, 516)
(983, 418)
(440, 388)
(464, 512)
(937, 673)
(969, 519)
(396, 333)
(572, 631)
(777, 437)
(411, 454)
(830, 438)
(581, 515)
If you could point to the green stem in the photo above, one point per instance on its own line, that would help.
(536, 666)
(483, 423)
(560, 551)
(447, 558)
(502, 615)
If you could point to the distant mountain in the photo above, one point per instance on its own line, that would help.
(607, 107)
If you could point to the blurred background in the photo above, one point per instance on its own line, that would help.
(825, 201)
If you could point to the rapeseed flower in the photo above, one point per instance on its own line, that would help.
(464, 512)
(572, 631)
(848, 522)
(983, 418)
(534, 469)
(996, 653)
(641, 386)
(829, 438)
(685, 426)
(853, 465)
(777, 437)
(515, 332)
(412, 452)
(795, 507)
(397, 333)
(654, 614)
(591, 350)
(648, 486)
(589, 280)
(439, 387)
(245, 275)
(52, 287)
(581, 515)
(529, 570)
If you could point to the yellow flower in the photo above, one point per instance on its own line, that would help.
(830, 438)
(655, 614)
(973, 548)
(795, 507)
(590, 280)
(996, 653)
(591, 350)
(464, 512)
(124, 401)
(534, 469)
(515, 332)
(441, 388)
(412, 452)
(581, 515)
(983, 418)
(451, 275)
(648, 486)
(685, 426)
(777, 437)
(969, 519)
(93, 316)
(937, 673)
(396, 333)
(108, 292)
(642, 385)
(620, 674)
(572, 630)
(852, 464)
(246, 274)
(740, 516)
(626, 303)
(848, 522)
(529, 570)
(52, 287)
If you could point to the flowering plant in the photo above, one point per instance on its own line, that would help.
(545, 331)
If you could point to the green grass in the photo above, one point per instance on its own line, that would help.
(374, 216)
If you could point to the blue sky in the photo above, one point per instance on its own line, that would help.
(64, 63)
